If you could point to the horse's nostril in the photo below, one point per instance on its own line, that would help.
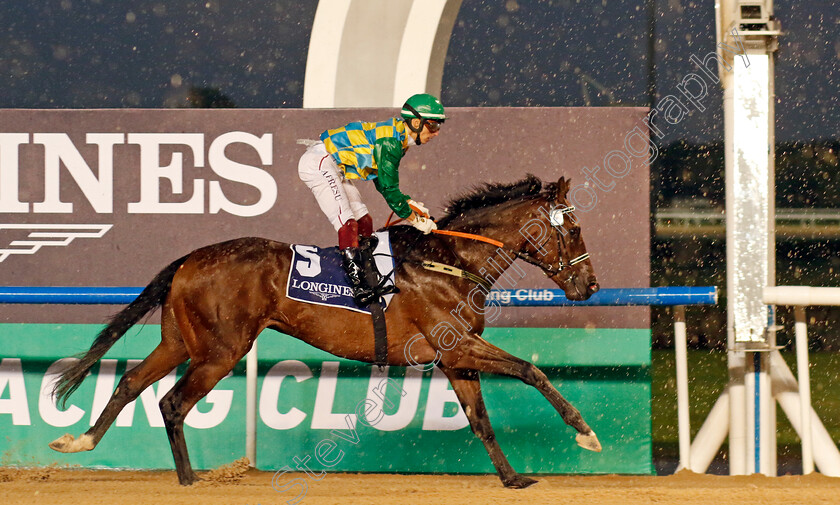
(594, 287)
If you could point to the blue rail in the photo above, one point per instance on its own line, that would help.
(69, 295)
(504, 297)
(706, 295)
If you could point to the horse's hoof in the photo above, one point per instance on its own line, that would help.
(519, 482)
(588, 441)
(188, 480)
(61, 443)
(68, 444)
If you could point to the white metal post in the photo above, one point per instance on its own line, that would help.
(786, 390)
(804, 389)
(746, 33)
(765, 405)
(711, 435)
(251, 405)
(737, 413)
(752, 422)
(681, 355)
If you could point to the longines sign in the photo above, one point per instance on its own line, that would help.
(97, 185)
(108, 197)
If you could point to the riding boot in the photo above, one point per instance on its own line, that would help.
(366, 248)
(363, 295)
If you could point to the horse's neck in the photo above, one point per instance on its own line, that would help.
(491, 223)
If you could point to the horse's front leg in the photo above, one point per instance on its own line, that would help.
(468, 388)
(475, 353)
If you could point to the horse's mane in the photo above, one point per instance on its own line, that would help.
(491, 194)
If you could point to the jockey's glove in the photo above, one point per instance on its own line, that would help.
(421, 223)
(419, 208)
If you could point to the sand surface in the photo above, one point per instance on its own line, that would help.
(236, 485)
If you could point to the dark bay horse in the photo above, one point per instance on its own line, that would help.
(217, 300)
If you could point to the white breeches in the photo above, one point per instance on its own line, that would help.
(338, 197)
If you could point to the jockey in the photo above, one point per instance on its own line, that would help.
(369, 152)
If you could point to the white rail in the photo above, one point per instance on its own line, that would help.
(793, 394)
(800, 297)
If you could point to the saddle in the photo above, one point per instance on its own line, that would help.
(317, 275)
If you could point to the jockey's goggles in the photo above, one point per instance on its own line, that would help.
(433, 125)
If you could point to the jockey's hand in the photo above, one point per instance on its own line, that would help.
(421, 223)
(419, 208)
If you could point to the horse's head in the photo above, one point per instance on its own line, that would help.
(538, 221)
(554, 240)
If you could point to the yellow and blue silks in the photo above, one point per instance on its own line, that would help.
(351, 146)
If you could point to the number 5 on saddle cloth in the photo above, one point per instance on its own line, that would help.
(317, 275)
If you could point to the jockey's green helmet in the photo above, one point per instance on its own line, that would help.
(427, 109)
(423, 106)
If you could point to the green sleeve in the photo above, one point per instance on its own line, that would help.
(388, 152)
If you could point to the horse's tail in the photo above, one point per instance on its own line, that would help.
(152, 297)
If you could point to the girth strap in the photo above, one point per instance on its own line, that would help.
(380, 334)
(377, 312)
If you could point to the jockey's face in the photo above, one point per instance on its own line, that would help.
(430, 130)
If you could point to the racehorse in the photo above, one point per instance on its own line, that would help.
(216, 300)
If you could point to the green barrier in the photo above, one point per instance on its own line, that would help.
(137, 439)
(306, 395)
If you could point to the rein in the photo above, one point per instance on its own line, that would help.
(461, 234)
(549, 270)
(471, 236)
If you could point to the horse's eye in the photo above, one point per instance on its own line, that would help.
(575, 232)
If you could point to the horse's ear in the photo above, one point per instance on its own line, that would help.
(563, 186)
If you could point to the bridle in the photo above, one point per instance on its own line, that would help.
(548, 269)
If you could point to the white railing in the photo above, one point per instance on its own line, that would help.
(794, 396)
(800, 297)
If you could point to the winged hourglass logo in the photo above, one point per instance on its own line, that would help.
(42, 235)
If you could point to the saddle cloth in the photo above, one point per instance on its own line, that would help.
(317, 275)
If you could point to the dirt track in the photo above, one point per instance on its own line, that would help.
(232, 486)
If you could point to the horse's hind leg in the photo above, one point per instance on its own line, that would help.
(217, 333)
(166, 356)
(468, 388)
(478, 354)
(199, 379)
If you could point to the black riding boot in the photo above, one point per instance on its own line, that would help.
(362, 293)
(366, 248)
